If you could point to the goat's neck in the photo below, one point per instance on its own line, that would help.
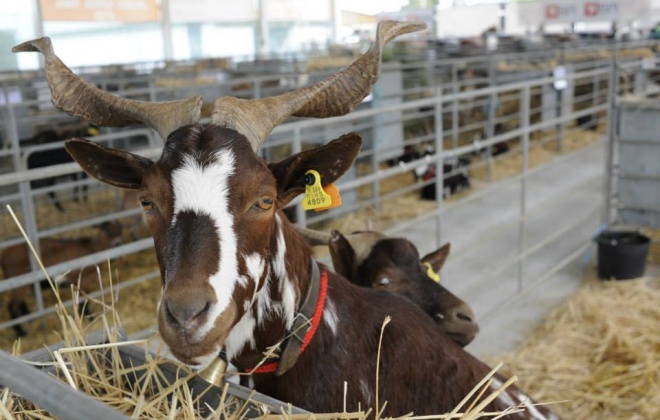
(274, 307)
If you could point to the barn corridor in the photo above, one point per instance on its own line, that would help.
(564, 200)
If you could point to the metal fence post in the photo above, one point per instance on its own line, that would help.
(610, 137)
(524, 124)
(454, 107)
(439, 172)
(27, 204)
(490, 125)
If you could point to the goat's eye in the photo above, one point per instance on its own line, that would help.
(147, 205)
(265, 203)
(383, 282)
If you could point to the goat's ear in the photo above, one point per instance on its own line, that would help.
(331, 161)
(438, 257)
(114, 167)
(343, 256)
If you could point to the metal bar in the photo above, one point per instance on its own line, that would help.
(133, 356)
(454, 108)
(501, 306)
(611, 136)
(51, 309)
(51, 394)
(88, 260)
(639, 177)
(58, 170)
(524, 105)
(639, 142)
(639, 208)
(439, 166)
(27, 205)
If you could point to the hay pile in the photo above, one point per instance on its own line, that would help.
(600, 352)
(654, 248)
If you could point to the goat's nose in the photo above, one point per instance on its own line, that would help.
(465, 315)
(185, 311)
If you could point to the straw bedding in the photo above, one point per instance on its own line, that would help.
(600, 352)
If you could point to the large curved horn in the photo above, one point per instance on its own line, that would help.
(73, 95)
(337, 95)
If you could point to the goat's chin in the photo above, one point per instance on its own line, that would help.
(192, 349)
(459, 333)
(461, 339)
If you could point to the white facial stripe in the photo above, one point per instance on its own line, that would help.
(204, 190)
(330, 316)
(287, 290)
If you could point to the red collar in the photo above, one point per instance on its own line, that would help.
(313, 325)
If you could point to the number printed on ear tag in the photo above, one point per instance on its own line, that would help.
(318, 197)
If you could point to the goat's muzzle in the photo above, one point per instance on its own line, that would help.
(192, 325)
(459, 323)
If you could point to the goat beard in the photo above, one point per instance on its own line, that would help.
(191, 349)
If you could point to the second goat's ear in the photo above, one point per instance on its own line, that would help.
(343, 256)
(331, 161)
(438, 257)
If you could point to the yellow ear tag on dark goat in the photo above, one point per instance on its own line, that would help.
(431, 273)
(318, 197)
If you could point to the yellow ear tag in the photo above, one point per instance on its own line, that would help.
(318, 197)
(431, 273)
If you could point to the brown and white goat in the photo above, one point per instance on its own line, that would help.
(15, 261)
(235, 274)
(371, 259)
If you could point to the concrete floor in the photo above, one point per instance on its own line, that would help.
(564, 199)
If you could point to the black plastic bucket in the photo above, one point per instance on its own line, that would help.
(622, 254)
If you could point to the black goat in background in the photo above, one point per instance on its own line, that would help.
(457, 176)
(56, 156)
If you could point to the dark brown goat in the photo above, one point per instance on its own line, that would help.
(236, 276)
(394, 264)
(371, 259)
(15, 261)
